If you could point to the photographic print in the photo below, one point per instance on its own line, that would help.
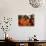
(25, 20)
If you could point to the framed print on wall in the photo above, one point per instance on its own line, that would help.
(25, 20)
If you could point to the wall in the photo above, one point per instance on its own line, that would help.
(12, 8)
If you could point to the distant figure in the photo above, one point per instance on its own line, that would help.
(32, 20)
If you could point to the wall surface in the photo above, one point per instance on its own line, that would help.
(12, 8)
